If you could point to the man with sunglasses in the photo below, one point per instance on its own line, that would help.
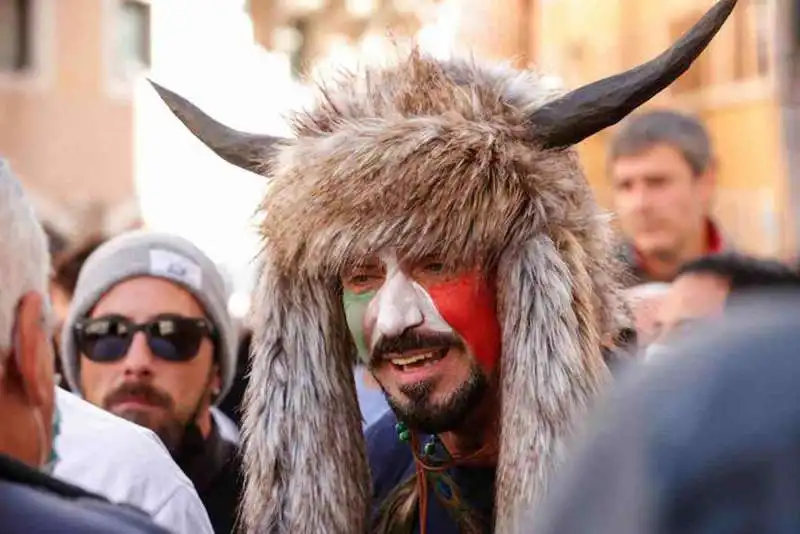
(148, 337)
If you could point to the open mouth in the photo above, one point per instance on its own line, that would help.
(420, 359)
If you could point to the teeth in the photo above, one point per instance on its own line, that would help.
(412, 359)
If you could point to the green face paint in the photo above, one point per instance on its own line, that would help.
(355, 308)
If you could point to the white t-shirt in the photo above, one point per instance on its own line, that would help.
(125, 463)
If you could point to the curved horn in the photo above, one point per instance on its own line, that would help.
(245, 150)
(594, 107)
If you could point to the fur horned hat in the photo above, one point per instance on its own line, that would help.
(470, 161)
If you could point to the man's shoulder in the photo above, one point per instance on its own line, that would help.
(390, 460)
(31, 501)
(113, 439)
(123, 462)
(183, 512)
(25, 509)
(381, 436)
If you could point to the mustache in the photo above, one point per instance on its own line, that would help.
(150, 394)
(414, 340)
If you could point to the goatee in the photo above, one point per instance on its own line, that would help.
(420, 413)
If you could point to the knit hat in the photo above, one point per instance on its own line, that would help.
(144, 253)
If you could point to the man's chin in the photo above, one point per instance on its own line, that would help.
(662, 249)
(140, 417)
(170, 431)
(431, 412)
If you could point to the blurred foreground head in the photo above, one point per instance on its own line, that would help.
(26, 356)
(705, 287)
(705, 442)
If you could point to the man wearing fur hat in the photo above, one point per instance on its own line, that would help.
(429, 219)
(148, 337)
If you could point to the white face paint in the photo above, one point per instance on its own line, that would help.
(400, 304)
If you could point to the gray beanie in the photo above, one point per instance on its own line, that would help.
(145, 253)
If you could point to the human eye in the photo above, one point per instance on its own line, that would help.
(434, 267)
(363, 278)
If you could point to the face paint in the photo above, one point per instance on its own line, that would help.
(464, 305)
(468, 304)
(355, 309)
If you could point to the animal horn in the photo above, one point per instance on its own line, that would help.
(594, 107)
(245, 150)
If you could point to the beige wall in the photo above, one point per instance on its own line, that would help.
(584, 40)
(69, 137)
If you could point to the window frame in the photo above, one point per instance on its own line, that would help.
(119, 86)
(37, 75)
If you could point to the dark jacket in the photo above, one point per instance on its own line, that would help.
(215, 468)
(32, 502)
(391, 464)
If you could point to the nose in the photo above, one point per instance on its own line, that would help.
(398, 309)
(139, 359)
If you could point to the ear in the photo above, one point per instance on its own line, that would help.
(215, 384)
(33, 353)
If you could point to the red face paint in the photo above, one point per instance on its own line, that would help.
(469, 305)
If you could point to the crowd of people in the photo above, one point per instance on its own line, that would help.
(447, 334)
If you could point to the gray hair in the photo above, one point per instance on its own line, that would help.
(683, 132)
(24, 256)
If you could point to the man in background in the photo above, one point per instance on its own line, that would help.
(663, 170)
(148, 337)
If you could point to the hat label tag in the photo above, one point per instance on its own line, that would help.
(167, 264)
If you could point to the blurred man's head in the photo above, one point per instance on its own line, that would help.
(148, 335)
(704, 286)
(662, 170)
(644, 301)
(26, 357)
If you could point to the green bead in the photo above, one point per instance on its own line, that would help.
(402, 430)
(430, 448)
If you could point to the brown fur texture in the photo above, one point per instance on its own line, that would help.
(425, 157)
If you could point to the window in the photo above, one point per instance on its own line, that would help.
(752, 40)
(132, 51)
(15, 49)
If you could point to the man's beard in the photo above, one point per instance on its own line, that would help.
(420, 413)
(171, 430)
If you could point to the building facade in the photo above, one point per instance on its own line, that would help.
(66, 113)
(313, 31)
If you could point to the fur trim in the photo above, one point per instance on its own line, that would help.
(304, 456)
(426, 157)
(551, 369)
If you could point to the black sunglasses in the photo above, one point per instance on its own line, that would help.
(170, 337)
